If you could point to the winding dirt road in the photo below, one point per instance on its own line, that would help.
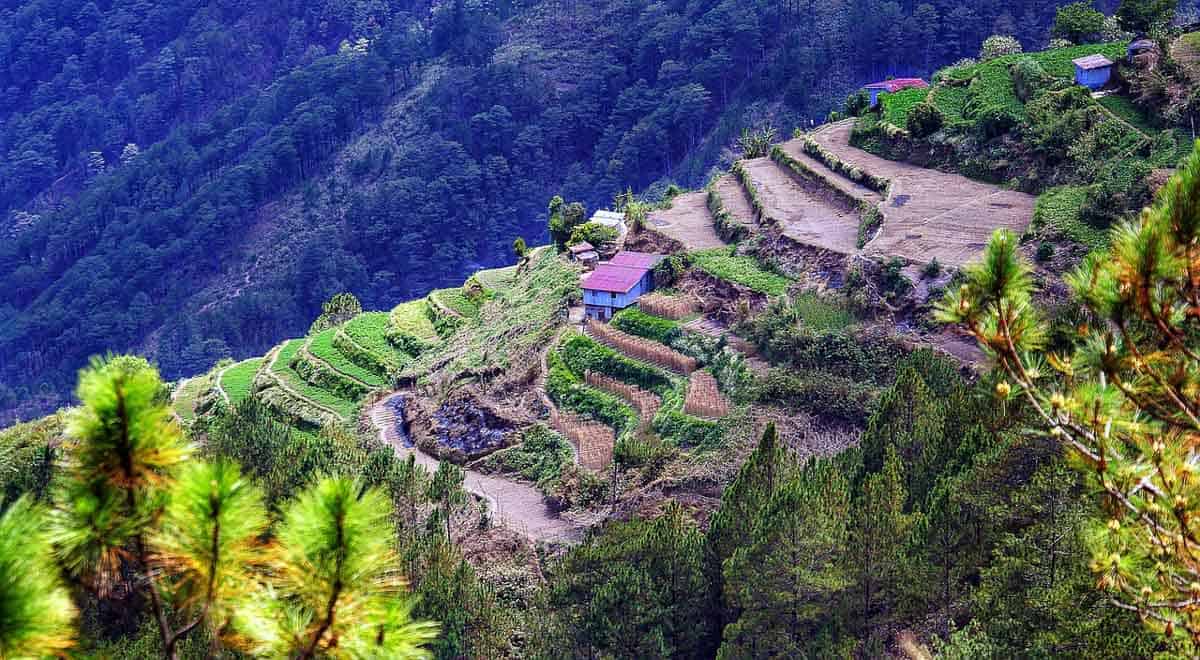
(517, 506)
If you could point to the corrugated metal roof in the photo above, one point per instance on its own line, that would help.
(897, 84)
(610, 218)
(614, 279)
(582, 246)
(631, 259)
(1092, 62)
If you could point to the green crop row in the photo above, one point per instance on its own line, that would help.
(581, 354)
(683, 429)
(743, 175)
(410, 329)
(323, 346)
(570, 393)
(1059, 207)
(722, 264)
(896, 105)
(382, 366)
(831, 160)
(636, 322)
(238, 380)
(283, 372)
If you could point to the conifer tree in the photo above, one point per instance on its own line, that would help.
(761, 475)
(1124, 400)
(36, 612)
(791, 569)
(445, 490)
(636, 590)
(909, 419)
(126, 452)
(879, 530)
(335, 591)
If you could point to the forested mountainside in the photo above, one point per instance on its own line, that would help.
(191, 179)
(920, 380)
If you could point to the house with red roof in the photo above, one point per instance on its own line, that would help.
(892, 86)
(618, 283)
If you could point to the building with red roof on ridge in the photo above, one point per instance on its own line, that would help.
(892, 86)
(618, 283)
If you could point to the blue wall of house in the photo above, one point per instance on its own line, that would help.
(1092, 78)
(620, 300)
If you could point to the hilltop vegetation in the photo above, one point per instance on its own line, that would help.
(192, 179)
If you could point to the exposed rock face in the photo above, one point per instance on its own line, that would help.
(461, 429)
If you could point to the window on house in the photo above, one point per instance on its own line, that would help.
(613, 297)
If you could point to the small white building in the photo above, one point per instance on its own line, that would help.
(610, 219)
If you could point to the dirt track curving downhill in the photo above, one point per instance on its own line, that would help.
(515, 505)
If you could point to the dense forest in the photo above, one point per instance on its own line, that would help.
(191, 179)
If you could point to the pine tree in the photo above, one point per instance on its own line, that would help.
(761, 475)
(119, 472)
(335, 591)
(879, 530)
(909, 419)
(445, 489)
(636, 590)
(1123, 401)
(36, 612)
(789, 573)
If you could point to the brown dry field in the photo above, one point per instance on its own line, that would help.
(930, 214)
(733, 197)
(795, 149)
(801, 216)
(687, 221)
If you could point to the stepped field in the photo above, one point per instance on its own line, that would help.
(238, 380)
(283, 371)
(323, 349)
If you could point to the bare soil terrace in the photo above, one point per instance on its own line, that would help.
(929, 214)
(801, 216)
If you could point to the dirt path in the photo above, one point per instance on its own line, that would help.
(687, 221)
(219, 388)
(930, 214)
(515, 505)
(802, 216)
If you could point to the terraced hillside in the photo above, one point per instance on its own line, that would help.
(927, 214)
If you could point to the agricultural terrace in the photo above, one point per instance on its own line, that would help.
(409, 327)
(723, 264)
(688, 221)
(295, 385)
(455, 301)
(929, 214)
(513, 326)
(897, 104)
(322, 348)
(368, 331)
(237, 380)
(991, 85)
(497, 279)
(187, 394)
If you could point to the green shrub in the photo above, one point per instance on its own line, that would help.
(1029, 78)
(636, 322)
(1044, 252)
(821, 394)
(601, 237)
(540, 457)
(932, 269)
(1078, 22)
(924, 119)
(869, 221)
(726, 226)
